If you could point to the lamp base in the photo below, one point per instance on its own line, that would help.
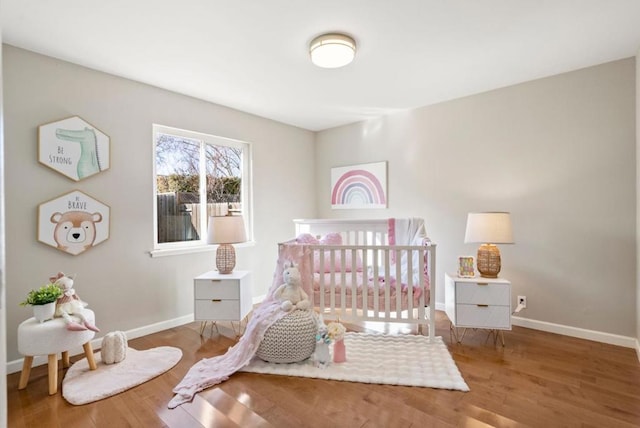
(488, 261)
(225, 258)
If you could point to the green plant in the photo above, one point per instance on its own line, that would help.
(43, 295)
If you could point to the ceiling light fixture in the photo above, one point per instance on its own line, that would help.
(332, 50)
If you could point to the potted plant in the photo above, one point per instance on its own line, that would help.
(43, 301)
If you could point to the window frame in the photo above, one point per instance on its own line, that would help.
(184, 247)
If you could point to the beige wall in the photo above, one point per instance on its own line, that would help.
(558, 153)
(125, 286)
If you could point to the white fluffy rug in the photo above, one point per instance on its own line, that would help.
(378, 358)
(82, 386)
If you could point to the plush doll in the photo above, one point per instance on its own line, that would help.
(321, 356)
(291, 293)
(70, 304)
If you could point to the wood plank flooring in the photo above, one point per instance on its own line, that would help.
(538, 379)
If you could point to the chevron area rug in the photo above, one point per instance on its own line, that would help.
(384, 359)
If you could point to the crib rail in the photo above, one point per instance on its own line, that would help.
(409, 268)
(353, 232)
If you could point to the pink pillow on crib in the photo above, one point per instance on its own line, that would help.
(335, 239)
(331, 239)
(306, 238)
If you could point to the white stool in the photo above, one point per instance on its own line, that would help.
(50, 338)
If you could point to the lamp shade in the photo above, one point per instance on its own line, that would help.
(489, 227)
(226, 230)
(332, 50)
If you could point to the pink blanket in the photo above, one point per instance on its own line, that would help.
(212, 371)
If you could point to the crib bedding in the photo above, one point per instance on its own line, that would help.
(329, 279)
(332, 284)
(379, 310)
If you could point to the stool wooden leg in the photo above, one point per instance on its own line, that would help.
(88, 352)
(65, 359)
(53, 373)
(26, 371)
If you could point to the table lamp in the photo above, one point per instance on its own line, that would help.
(224, 231)
(489, 228)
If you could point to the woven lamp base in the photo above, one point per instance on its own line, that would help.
(225, 258)
(488, 261)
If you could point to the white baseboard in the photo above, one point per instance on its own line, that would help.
(581, 333)
(16, 365)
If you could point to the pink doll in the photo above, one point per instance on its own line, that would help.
(70, 304)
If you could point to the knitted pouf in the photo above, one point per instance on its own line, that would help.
(290, 339)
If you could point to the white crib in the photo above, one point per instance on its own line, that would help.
(365, 277)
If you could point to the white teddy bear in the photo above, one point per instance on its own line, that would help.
(291, 293)
(70, 304)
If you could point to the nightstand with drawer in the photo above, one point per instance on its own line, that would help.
(478, 303)
(222, 297)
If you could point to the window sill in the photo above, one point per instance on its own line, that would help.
(163, 252)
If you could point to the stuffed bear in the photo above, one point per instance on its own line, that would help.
(70, 304)
(291, 293)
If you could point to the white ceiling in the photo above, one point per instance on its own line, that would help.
(252, 55)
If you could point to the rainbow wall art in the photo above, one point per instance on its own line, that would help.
(359, 186)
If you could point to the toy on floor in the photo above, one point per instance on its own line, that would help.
(321, 356)
(70, 304)
(291, 293)
(114, 347)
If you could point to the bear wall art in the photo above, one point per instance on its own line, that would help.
(74, 222)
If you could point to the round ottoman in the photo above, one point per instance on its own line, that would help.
(51, 338)
(290, 339)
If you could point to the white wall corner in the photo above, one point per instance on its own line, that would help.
(638, 202)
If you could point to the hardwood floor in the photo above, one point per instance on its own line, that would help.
(539, 379)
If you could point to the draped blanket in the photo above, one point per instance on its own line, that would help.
(406, 231)
(212, 371)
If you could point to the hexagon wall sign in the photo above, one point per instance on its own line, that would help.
(73, 223)
(73, 147)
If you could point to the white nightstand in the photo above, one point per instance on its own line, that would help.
(219, 297)
(478, 303)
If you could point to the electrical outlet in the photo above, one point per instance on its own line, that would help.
(522, 300)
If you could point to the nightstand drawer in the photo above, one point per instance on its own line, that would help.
(480, 316)
(483, 293)
(216, 309)
(225, 289)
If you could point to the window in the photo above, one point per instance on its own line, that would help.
(196, 176)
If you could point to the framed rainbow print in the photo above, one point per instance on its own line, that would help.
(359, 186)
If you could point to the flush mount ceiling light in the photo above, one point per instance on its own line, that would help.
(332, 50)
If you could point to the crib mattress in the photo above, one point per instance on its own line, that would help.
(370, 289)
